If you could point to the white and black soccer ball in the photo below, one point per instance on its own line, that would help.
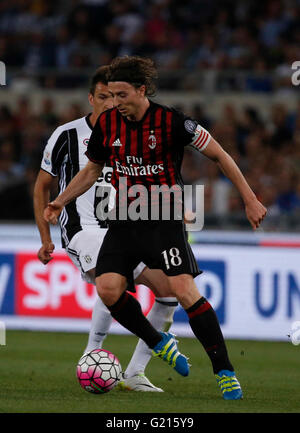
(98, 371)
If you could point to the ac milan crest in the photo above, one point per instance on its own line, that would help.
(152, 140)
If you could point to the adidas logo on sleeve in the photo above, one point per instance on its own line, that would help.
(117, 142)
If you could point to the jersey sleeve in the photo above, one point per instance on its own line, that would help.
(96, 151)
(55, 151)
(190, 133)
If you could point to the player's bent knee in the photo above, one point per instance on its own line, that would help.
(107, 294)
(109, 289)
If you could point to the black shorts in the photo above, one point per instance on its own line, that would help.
(160, 245)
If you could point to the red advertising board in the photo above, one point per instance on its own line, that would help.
(57, 290)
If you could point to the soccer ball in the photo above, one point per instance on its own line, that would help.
(98, 371)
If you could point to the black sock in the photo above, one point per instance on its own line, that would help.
(127, 311)
(205, 325)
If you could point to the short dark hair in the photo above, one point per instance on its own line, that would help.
(134, 70)
(100, 76)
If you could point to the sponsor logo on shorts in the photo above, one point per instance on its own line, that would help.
(88, 258)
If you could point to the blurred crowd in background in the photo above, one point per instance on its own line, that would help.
(268, 153)
(195, 35)
(261, 37)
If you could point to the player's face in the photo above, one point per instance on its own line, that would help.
(126, 98)
(101, 100)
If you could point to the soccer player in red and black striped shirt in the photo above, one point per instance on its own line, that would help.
(144, 143)
(147, 152)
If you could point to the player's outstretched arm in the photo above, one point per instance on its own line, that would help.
(255, 210)
(78, 185)
(41, 196)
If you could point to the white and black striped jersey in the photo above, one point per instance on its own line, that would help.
(64, 156)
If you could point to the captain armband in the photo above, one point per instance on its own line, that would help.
(201, 139)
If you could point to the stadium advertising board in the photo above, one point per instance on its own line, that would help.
(261, 290)
(7, 283)
(29, 288)
(255, 291)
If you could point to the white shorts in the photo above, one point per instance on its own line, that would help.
(84, 248)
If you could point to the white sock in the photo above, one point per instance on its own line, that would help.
(101, 321)
(161, 317)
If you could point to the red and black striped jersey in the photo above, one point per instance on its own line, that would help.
(147, 152)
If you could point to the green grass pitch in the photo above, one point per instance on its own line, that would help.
(38, 375)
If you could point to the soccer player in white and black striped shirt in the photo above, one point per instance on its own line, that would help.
(82, 232)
